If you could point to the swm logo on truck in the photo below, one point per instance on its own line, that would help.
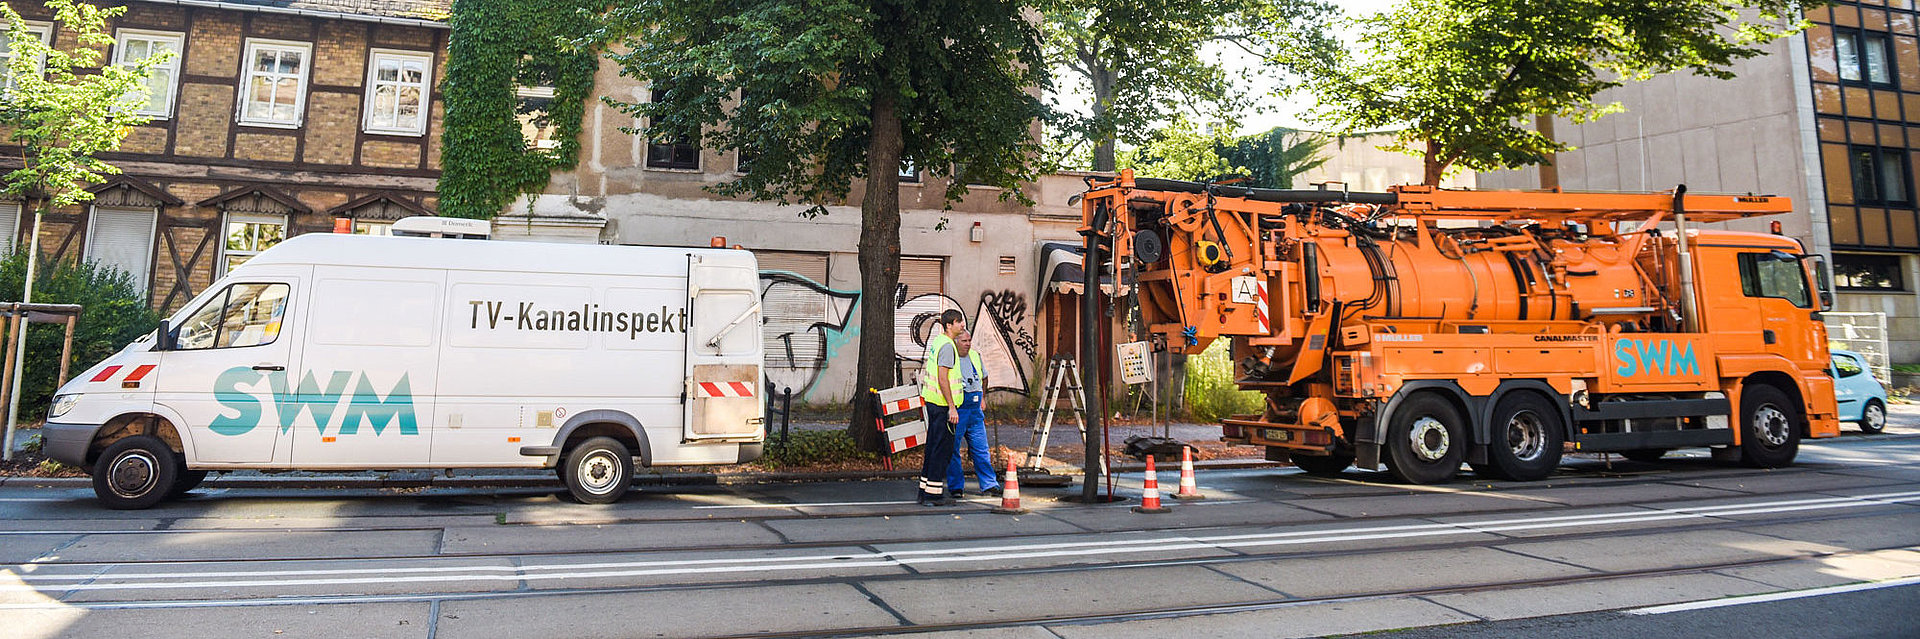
(1663, 356)
(364, 404)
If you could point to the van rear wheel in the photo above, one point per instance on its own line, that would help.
(598, 471)
(135, 473)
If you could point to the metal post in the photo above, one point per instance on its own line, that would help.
(1090, 355)
(1690, 320)
(786, 417)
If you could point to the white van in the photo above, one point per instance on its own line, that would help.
(346, 352)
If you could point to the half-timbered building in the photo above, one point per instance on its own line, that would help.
(271, 118)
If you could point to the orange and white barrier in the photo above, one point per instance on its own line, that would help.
(1010, 491)
(1150, 500)
(1188, 488)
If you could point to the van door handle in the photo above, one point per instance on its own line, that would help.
(269, 367)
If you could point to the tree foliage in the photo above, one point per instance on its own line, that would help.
(822, 94)
(114, 312)
(63, 107)
(496, 46)
(1269, 160)
(1143, 61)
(1464, 78)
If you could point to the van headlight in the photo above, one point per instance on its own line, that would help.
(64, 403)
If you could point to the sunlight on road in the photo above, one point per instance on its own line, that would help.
(47, 619)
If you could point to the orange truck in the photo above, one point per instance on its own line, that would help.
(1425, 328)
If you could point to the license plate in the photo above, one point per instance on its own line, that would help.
(1276, 435)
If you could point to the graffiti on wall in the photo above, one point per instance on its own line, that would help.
(803, 322)
(999, 325)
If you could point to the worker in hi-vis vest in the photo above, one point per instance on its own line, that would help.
(971, 378)
(942, 395)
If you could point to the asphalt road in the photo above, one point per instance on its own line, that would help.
(1269, 553)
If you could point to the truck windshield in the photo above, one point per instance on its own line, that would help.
(1763, 275)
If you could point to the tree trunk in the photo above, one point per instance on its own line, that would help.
(1435, 166)
(879, 269)
(1104, 131)
(1549, 174)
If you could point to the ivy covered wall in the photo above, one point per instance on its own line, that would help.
(497, 47)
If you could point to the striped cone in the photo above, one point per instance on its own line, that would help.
(1188, 488)
(1150, 500)
(1010, 492)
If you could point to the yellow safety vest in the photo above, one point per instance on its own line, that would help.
(929, 390)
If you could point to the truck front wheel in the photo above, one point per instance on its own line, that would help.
(135, 473)
(598, 471)
(1770, 427)
(1426, 441)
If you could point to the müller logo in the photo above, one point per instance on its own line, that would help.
(525, 316)
(1397, 337)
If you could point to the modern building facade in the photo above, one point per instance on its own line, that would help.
(1829, 118)
(270, 118)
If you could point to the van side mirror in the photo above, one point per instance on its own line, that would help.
(163, 340)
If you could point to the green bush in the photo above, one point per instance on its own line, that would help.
(811, 447)
(114, 312)
(1211, 393)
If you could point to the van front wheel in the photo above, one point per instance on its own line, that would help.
(598, 471)
(135, 473)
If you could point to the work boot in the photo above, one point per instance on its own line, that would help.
(995, 491)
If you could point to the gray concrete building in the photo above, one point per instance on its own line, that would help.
(1823, 118)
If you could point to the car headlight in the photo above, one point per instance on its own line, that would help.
(64, 403)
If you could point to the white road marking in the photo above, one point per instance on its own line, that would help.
(33, 581)
(1776, 596)
(812, 505)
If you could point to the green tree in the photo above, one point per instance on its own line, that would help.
(1142, 61)
(1462, 79)
(821, 94)
(114, 312)
(63, 107)
(1269, 160)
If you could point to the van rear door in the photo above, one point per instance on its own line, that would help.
(723, 349)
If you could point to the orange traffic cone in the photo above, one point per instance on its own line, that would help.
(1188, 488)
(1150, 500)
(1010, 492)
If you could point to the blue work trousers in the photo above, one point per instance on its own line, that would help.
(939, 454)
(972, 432)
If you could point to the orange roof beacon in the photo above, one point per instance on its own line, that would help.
(1423, 328)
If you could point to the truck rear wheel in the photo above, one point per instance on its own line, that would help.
(1321, 465)
(1527, 438)
(1426, 441)
(598, 471)
(135, 473)
(1770, 427)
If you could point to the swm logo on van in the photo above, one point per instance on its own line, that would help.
(1662, 356)
(364, 404)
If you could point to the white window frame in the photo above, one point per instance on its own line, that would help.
(145, 282)
(374, 57)
(42, 29)
(226, 223)
(247, 74)
(179, 41)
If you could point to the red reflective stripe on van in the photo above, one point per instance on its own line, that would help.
(726, 389)
(742, 389)
(139, 373)
(106, 373)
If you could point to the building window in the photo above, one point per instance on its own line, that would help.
(398, 86)
(9, 225)
(248, 235)
(909, 173)
(122, 238)
(371, 227)
(162, 77)
(1863, 57)
(532, 106)
(674, 153)
(274, 91)
(1879, 175)
(6, 49)
(1868, 272)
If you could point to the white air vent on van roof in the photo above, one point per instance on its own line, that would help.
(452, 227)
